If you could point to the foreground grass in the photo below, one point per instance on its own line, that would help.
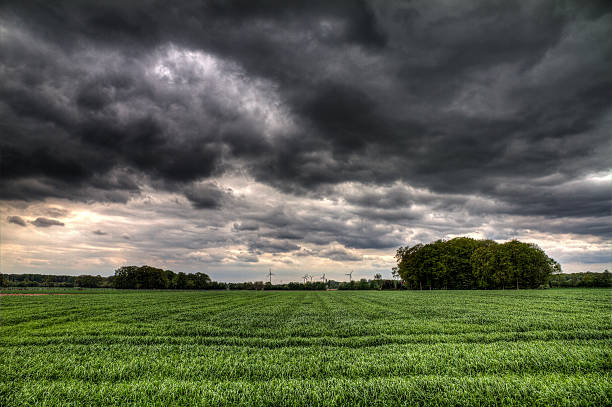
(307, 348)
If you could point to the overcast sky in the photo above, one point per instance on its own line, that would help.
(229, 138)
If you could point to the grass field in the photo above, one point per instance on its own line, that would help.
(549, 347)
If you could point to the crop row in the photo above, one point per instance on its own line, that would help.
(530, 390)
(191, 362)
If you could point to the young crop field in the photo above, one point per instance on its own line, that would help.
(353, 348)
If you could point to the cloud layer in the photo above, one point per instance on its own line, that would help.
(321, 132)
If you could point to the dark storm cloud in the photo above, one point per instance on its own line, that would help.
(339, 254)
(389, 199)
(207, 196)
(17, 220)
(292, 225)
(575, 199)
(263, 245)
(41, 222)
(247, 258)
(505, 101)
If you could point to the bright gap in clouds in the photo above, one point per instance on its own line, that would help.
(204, 76)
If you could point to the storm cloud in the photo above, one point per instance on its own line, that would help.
(341, 126)
(41, 222)
(17, 220)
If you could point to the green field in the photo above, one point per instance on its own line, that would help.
(548, 347)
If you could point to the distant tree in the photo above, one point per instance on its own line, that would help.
(145, 277)
(200, 280)
(409, 265)
(332, 284)
(377, 283)
(180, 281)
(486, 267)
(125, 277)
(89, 281)
(171, 278)
(588, 280)
(363, 284)
(388, 285)
(49, 281)
(604, 279)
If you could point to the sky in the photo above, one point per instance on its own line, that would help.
(305, 137)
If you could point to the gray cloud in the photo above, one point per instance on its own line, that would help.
(246, 226)
(17, 220)
(262, 245)
(99, 233)
(247, 258)
(56, 212)
(41, 222)
(207, 196)
(339, 254)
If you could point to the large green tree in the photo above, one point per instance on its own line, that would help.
(465, 263)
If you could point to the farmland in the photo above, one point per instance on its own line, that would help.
(526, 347)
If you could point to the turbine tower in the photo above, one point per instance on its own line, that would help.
(350, 276)
(323, 278)
(270, 274)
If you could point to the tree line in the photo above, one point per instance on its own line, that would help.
(466, 263)
(453, 264)
(48, 280)
(588, 279)
(147, 277)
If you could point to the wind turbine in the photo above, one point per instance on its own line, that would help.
(323, 278)
(270, 274)
(350, 275)
(305, 277)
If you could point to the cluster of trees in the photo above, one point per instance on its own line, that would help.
(147, 277)
(466, 263)
(588, 279)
